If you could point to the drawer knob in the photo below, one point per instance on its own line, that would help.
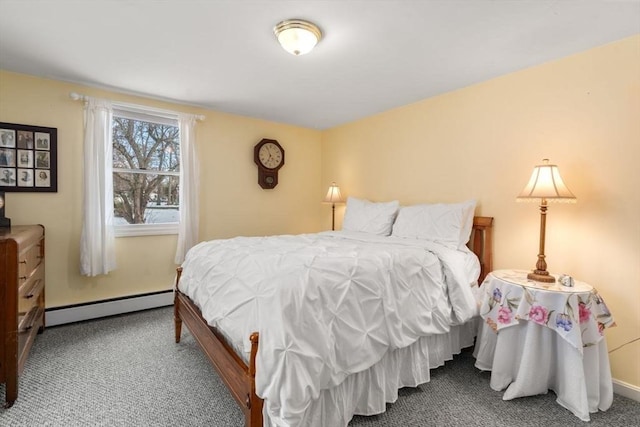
(24, 261)
(23, 277)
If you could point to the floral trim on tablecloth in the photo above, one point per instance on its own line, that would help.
(580, 317)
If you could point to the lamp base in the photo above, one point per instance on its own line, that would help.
(541, 276)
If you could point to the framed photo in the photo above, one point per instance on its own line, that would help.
(25, 177)
(7, 138)
(8, 177)
(28, 158)
(7, 157)
(25, 158)
(42, 141)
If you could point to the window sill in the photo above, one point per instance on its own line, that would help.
(133, 230)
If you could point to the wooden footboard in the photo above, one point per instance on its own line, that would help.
(240, 378)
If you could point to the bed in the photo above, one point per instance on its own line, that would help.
(368, 309)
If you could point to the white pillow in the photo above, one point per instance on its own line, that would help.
(369, 217)
(448, 224)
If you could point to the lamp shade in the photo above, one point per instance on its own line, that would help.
(546, 183)
(297, 36)
(333, 195)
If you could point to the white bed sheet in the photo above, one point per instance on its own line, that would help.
(326, 305)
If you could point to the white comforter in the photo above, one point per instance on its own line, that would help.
(326, 305)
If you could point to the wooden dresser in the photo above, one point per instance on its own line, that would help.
(21, 299)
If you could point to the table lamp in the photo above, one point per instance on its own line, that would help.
(333, 196)
(547, 185)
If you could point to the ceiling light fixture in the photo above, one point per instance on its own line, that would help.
(297, 36)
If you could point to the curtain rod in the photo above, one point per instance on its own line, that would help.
(78, 97)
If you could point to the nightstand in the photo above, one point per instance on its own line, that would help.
(543, 336)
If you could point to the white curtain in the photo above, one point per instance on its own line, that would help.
(189, 187)
(97, 245)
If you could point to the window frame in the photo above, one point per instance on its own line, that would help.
(149, 115)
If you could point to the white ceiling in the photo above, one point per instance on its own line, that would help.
(374, 56)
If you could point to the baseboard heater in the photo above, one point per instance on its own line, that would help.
(110, 307)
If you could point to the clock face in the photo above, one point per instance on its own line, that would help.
(270, 155)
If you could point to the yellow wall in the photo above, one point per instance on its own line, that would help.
(582, 112)
(482, 142)
(232, 203)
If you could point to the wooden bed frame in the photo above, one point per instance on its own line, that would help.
(240, 378)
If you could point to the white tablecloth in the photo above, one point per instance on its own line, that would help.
(537, 337)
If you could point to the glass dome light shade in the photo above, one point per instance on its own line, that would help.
(297, 36)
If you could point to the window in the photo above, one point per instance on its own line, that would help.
(146, 173)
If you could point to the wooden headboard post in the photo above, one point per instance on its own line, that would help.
(481, 244)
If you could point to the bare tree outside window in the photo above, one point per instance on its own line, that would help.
(146, 172)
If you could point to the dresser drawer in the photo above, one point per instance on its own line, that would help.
(31, 324)
(29, 260)
(31, 319)
(30, 290)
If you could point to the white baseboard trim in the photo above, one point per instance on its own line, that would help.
(627, 390)
(94, 310)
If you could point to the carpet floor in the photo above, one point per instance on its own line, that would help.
(128, 371)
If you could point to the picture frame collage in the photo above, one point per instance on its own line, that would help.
(28, 158)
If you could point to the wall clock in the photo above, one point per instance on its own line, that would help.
(269, 156)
